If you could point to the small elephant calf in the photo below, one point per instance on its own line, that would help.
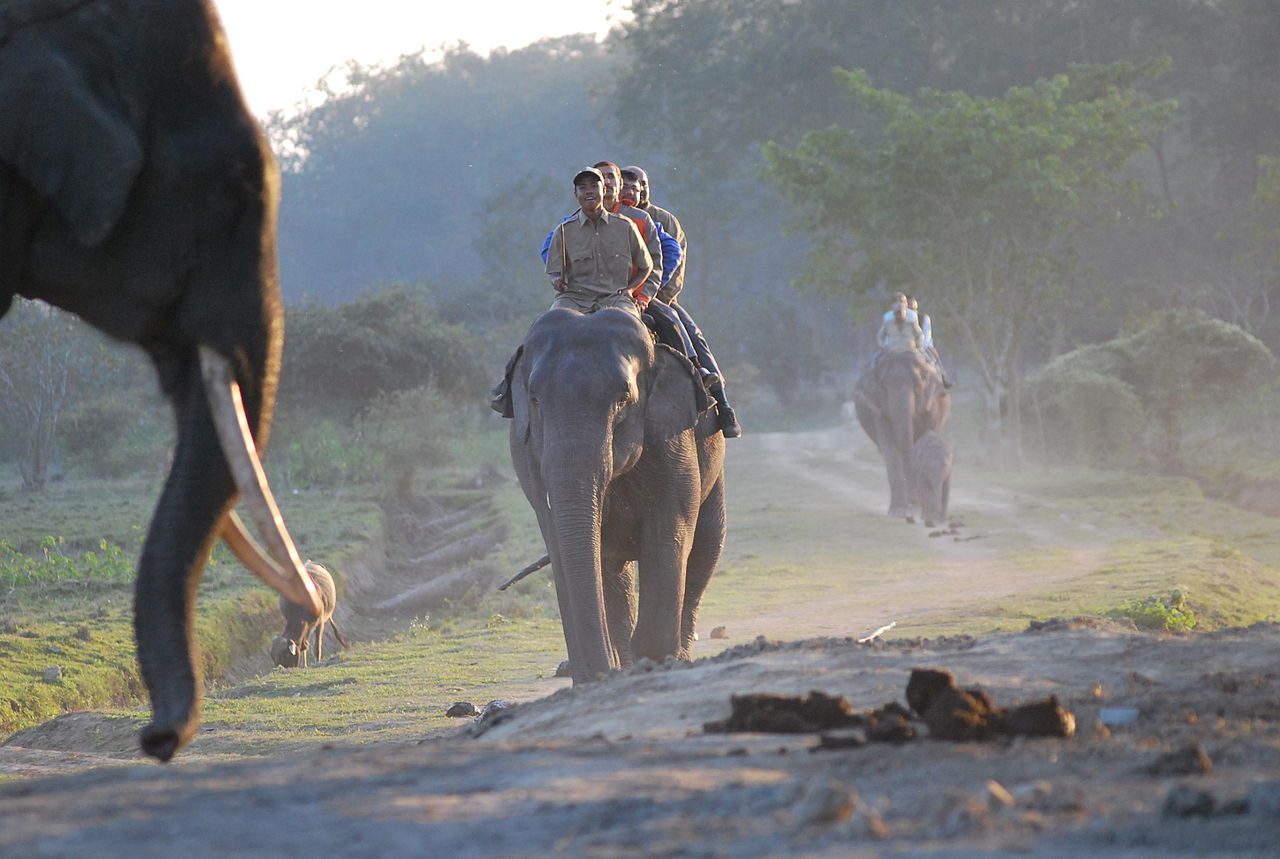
(290, 647)
(931, 470)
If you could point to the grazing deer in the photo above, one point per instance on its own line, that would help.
(290, 647)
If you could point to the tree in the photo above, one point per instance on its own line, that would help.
(49, 362)
(390, 181)
(338, 359)
(973, 204)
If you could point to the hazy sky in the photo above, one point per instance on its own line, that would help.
(282, 47)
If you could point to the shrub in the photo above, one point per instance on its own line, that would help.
(1089, 416)
(1171, 615)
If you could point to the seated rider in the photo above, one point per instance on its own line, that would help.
(597, 260)
(634, 192)
(665, 252)
(926, 328)
(900, 325)
(900, 333)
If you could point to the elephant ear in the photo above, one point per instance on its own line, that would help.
(518, 391)
(62, 139)
(672, 404)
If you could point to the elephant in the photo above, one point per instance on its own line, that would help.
(289, 648)
(137, 191)
(898, 400)
(619, 454)
(931, 459)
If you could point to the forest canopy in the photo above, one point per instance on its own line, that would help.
(1046, 174)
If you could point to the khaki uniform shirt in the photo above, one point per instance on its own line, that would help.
(601, 255)
(671, 224)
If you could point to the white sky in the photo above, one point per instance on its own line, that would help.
(283, 47)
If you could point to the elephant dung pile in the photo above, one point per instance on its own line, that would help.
(933, 698)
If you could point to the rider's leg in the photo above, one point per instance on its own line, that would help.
(728, 418)
(671, 331)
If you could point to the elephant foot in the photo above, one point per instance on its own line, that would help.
(901, 513)
(162, 741)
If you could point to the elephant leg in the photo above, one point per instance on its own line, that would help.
(536, 493)
(708, 542)
(197, 495)
(663, 559)
(620, 605)
(320, 641)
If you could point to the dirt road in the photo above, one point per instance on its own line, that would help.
(1177, 748)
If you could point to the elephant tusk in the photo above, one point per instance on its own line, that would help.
(250, 554)
(285, 575)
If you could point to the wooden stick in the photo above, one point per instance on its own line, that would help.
(532, 568)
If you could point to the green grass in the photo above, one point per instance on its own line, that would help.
(393, 690)
(1141, 538)
(58, 609)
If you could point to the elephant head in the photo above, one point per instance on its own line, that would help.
(931, 459)
(618, 457)
(137, 191)
(897, 401)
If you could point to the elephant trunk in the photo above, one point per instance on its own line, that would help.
(197, 495)
(897, 453)
(576, 482)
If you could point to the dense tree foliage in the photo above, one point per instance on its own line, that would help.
(974, 204)
(339, 358)
(392, 180)
(451, 172)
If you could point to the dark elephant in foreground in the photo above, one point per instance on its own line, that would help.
(898, 400)
(138, 192)
(622, 461)
(290, 648)
(931, 460)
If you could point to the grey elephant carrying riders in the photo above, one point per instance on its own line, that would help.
(897, 401)
(635, 190)
(620, 458)
(137, 191)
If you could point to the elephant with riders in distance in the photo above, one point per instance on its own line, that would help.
(617, 449)
(897, 401)
(138, 192)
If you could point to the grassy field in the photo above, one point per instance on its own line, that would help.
(1144, 538)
